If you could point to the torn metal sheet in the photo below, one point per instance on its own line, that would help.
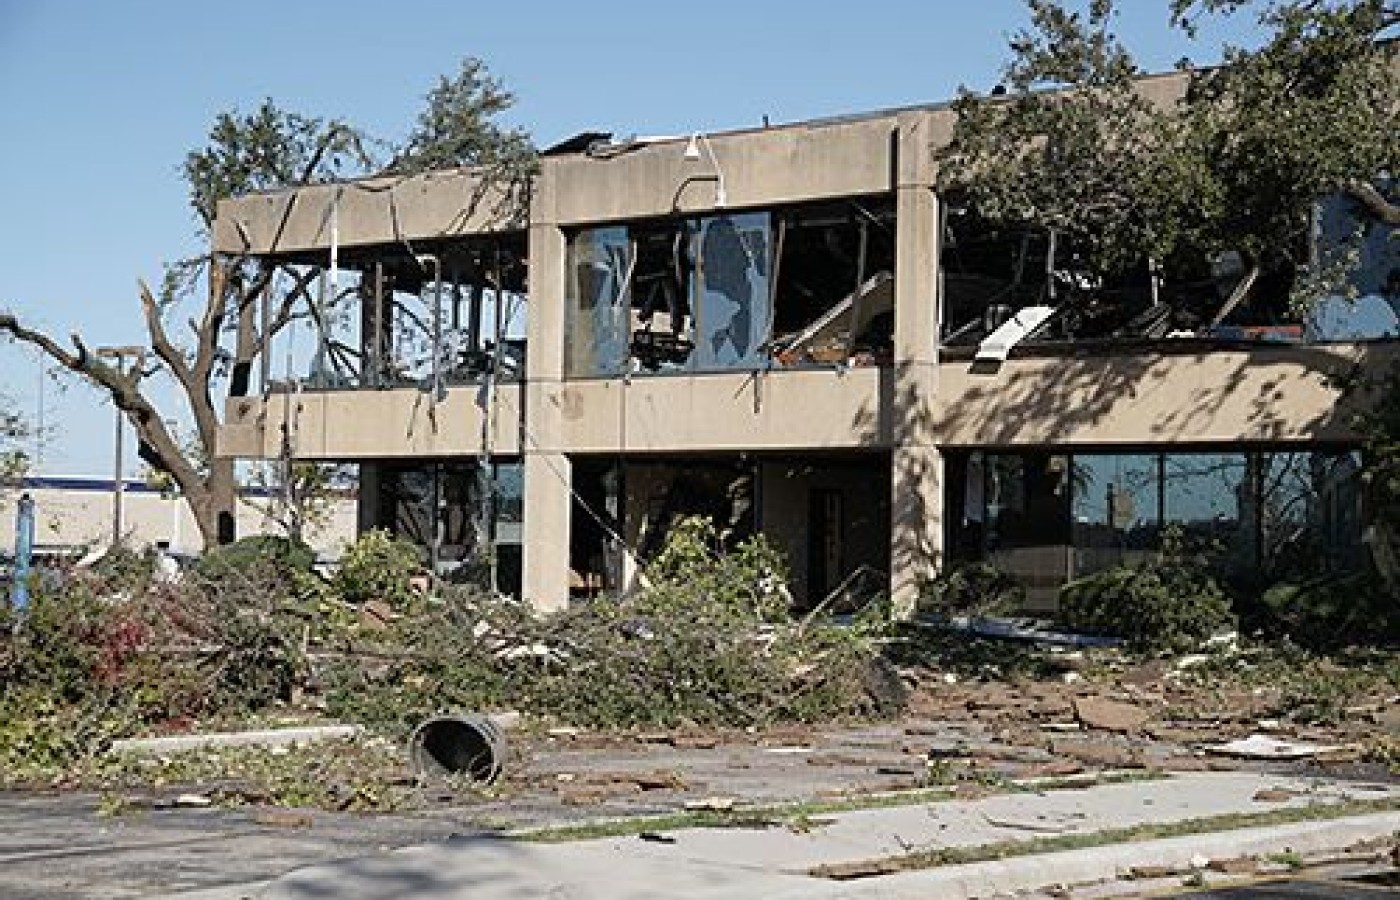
(997, 345)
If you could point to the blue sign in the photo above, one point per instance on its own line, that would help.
(24, 553)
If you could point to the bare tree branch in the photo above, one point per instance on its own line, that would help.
(1373, 201)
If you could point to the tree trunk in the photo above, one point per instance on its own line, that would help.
(214, 504)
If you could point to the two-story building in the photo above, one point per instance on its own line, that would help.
(787, 329)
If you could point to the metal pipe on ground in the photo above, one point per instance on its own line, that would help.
(461, 744)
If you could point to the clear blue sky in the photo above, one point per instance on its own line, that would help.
(99, 101)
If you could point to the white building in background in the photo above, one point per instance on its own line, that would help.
(74, 514)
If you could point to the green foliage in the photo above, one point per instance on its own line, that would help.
(14, 430)
(1333, 611)
(975, 589)
(378, 566)
(707, 641)
(267, 149)
(459, 126)
(284, 554)
(1236, 163)
(1169, 602)
(1380, 426)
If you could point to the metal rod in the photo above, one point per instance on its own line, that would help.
(120, 354)
(117, 487)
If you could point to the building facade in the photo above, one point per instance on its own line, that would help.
(788, 330)
(75, 515)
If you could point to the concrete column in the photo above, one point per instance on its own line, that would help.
(916, 507)
(548, 506)
(548, 472)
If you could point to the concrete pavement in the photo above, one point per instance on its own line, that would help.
(774, 862)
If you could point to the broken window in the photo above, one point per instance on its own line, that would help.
(660, 331)
(734, 310)
(448, 313)
(600, 269)
(834, 297)
(993, 274)
(1004, 284)
(812, 284)
(464, 514)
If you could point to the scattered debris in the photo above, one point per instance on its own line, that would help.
(284, 818)
(1242, 865)
(1109, 715)
(192, 801)
(1261, 746)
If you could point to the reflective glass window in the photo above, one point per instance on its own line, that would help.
(1116, 514)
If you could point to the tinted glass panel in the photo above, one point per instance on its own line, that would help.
(1116, 511)
(1206, 495)
(1310, 513)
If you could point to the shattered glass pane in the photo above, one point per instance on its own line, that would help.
(734, 313)
(597, 309)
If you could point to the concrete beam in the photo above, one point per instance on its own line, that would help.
(441, 204)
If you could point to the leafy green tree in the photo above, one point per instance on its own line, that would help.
(1132, 171)
(14, 431)
(1233, 158)
(269, 149)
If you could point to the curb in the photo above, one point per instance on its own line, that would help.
(1098, 864)
(270, 737)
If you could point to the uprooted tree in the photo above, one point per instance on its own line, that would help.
(268, 149)
(1135, 181)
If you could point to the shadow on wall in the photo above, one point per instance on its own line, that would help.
(1261, 395)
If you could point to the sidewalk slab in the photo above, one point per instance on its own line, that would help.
(773, 862)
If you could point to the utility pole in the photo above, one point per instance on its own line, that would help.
(137, 355)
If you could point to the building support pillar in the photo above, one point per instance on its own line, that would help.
(916, 507)
(548, 472)
(548, 508)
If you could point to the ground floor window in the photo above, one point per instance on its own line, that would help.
(826, 514)
(1046, 516)
(465, 514)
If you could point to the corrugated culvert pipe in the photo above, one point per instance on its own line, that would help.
(471, 745)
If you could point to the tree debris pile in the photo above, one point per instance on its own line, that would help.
(253, 632)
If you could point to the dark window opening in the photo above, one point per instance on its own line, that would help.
(828, 516)
(991, 271)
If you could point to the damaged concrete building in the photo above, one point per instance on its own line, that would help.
(789, 330)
